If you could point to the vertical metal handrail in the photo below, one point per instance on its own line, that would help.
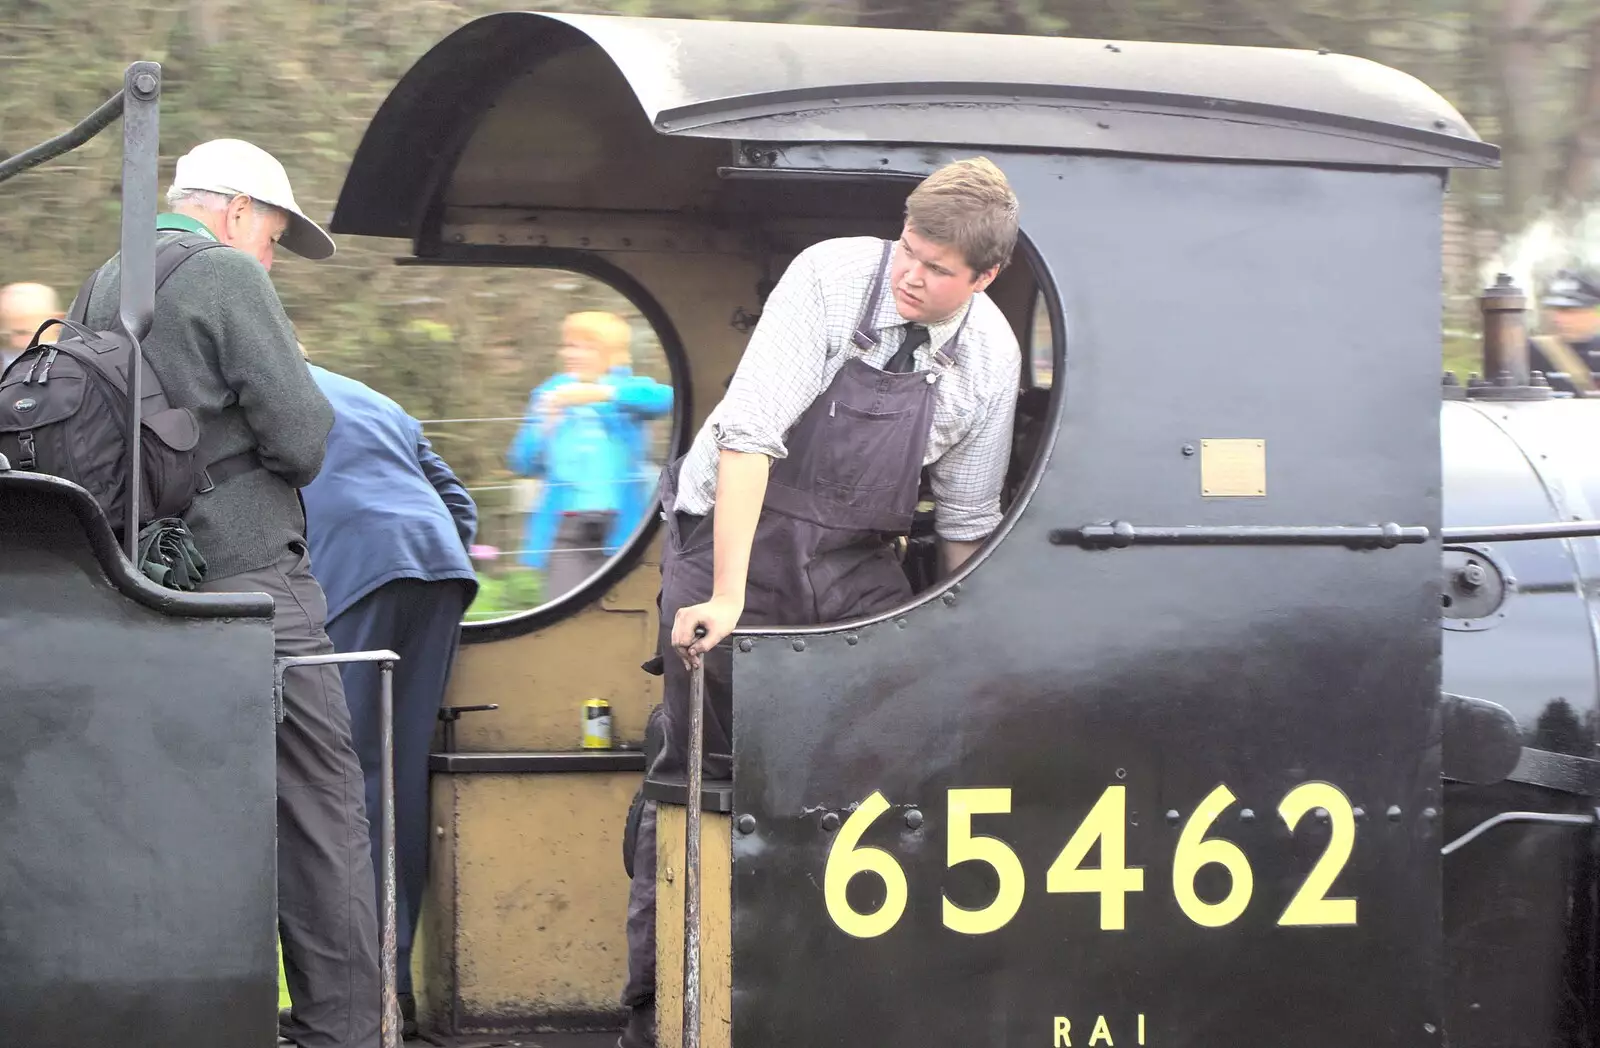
(389, 946)
(691, 884)
(141, 143)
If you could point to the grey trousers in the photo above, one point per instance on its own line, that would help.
(640, 990)
(578, 551)
(327, 913)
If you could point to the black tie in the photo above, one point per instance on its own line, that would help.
(904, 359)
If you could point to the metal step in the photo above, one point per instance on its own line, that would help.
(532, 1040)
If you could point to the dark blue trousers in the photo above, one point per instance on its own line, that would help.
(421, 622)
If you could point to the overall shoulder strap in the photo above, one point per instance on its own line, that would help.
(951, 350)
(864, 337)
(79, 312)
(169, 256)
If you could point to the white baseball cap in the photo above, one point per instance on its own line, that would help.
(232, 166)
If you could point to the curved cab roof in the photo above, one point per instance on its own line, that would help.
(803, 83)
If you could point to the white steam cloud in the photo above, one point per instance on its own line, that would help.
(1550, 243)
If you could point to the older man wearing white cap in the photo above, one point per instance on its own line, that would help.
(224, 348)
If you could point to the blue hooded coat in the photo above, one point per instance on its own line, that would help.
(595, 458)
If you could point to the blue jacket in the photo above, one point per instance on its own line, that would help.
(385, 505)
(579, 474)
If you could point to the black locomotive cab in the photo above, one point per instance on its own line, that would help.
(1209, 606)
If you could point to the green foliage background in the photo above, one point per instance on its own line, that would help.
(302, 78)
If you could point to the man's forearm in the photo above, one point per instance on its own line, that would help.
(954, 554)
(741, 488)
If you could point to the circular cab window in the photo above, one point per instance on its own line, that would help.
(550, 396)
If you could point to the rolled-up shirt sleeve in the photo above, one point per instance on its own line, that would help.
(782, 368)
(967, 479)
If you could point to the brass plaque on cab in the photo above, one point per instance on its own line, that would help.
(1233, 468)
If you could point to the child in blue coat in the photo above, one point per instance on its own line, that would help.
(585, 435)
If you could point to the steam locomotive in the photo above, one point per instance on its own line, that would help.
(1268, 716)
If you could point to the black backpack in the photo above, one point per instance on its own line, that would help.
(64, 411)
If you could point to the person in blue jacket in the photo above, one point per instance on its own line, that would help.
(389, 525)
(585, 434)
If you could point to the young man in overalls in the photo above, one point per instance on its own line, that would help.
(872, 359)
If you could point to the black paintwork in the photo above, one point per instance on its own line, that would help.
(1519, 923)
(1480, 741)
(1561, 772)
(96, 532)
(1058, 672)
(1513, 464)
(797, 84)
(137, 791)
(1520, 914)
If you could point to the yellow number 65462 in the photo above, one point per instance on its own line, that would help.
(1113, 880)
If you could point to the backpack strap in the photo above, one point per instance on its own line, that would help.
(79, 313)
(232, 466)
(175, 252)
(170, 255)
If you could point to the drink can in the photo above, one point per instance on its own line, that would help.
(596, 724)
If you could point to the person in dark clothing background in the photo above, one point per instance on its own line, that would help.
(390, 526)
(223, 347)
(1572, 303)
(23, 308)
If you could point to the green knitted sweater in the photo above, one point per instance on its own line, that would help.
(223, 347)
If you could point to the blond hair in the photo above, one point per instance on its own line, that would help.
(607, 332)
(969, 205)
